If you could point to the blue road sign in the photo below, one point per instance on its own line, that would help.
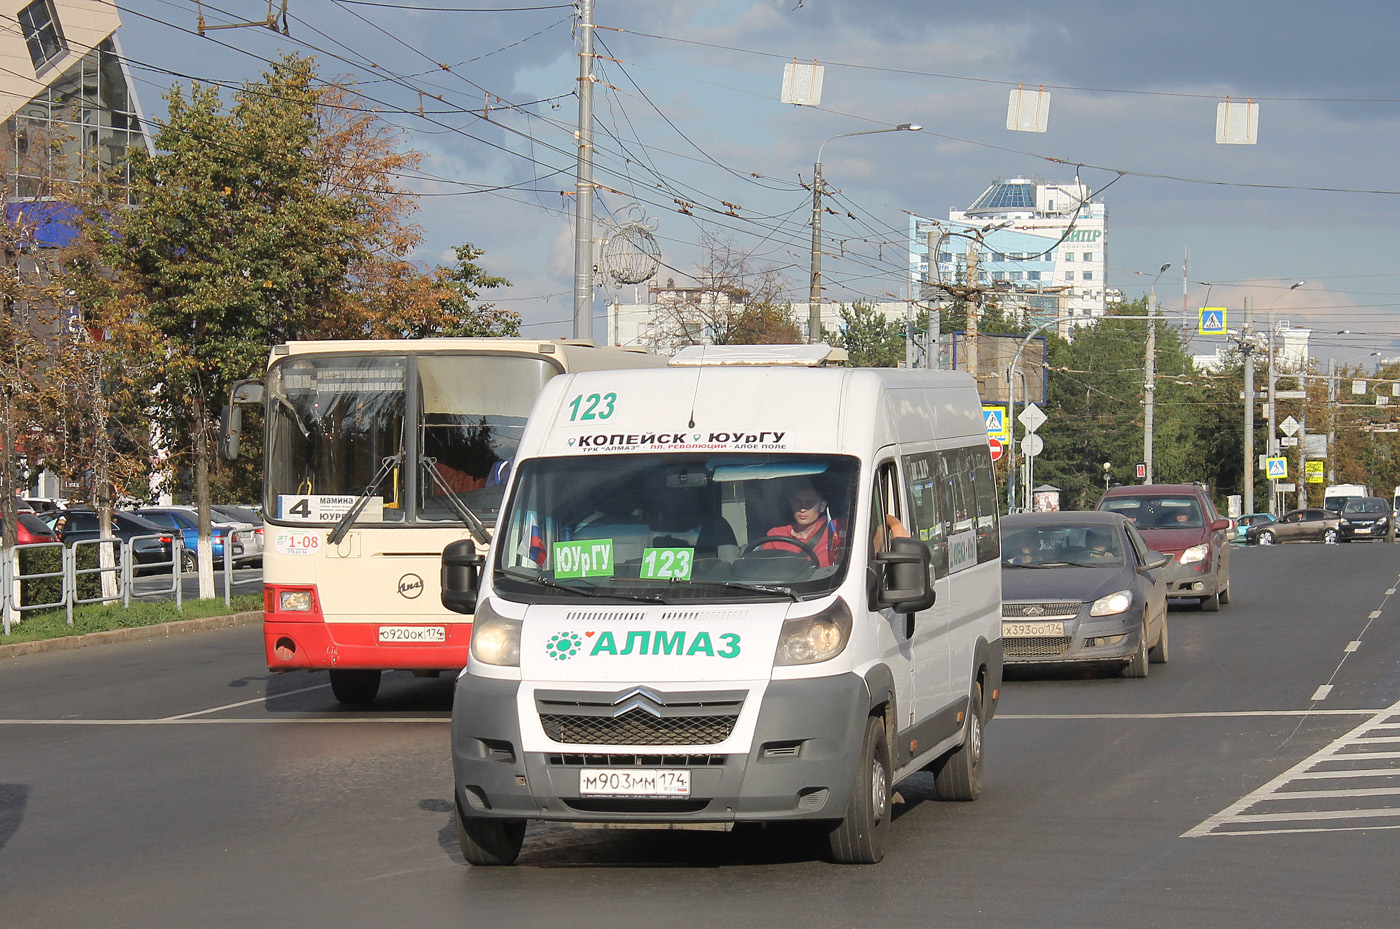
(1212, 320)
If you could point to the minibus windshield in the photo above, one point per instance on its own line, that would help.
(679, 527)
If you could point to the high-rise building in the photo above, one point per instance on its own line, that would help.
(66, 96)
(1038, 249)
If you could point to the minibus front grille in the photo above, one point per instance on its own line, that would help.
(595, 760)
(638, 727)
(1042, 646)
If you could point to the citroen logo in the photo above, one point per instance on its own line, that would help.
(638, 698)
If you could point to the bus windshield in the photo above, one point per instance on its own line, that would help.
(678, 527)
(429, 426)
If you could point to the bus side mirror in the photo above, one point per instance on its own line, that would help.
(904, 577)
(461, 575)
(230, 431)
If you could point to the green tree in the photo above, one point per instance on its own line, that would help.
(869, 338)
(465, 281)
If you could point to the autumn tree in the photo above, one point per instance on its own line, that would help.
(275, 219)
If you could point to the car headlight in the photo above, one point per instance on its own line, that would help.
(1345, 522)
(810, 639)
(1113, 604)
(1195, 553)
(495, 639)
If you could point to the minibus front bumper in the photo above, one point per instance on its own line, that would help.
(800, 764)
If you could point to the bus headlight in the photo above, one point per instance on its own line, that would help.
(1196, 553)
(810, 639)
(495, 639)
(1113, 604)
(294, 601)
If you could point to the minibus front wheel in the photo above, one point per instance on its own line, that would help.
(860, 836)
(489, 842)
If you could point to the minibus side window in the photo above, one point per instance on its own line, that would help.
(922, 472)
(985, 489)
(886, 502)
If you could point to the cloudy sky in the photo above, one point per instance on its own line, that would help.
(691, 130)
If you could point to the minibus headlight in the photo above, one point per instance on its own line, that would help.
(495, 639)
(294, 601)
(1195, 553)
(809, 639)
(1113, 604)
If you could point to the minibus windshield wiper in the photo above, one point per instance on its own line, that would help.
(585, 591)
(753, 588)
(358, 506)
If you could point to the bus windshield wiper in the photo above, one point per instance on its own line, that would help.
(585, 591)
(754, 588)
(358, 506)
(474, 524)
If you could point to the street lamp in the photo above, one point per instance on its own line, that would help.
(814, 306)
(1150, 380)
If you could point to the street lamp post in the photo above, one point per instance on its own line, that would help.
(1150, 380)
(814, 305)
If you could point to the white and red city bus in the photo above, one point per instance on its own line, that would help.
(378, 453)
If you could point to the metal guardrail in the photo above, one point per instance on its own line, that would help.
(121, 567)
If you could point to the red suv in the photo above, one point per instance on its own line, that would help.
(1180, 520)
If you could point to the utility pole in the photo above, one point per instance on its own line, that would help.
(974, 308)
(1332, 411)
(1150, 379)
(583, 187)
(1273, 416)
(1247, 349)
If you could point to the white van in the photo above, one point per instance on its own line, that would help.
(752, 588)
(1334, 496)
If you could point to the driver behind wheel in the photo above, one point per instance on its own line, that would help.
(811, 523)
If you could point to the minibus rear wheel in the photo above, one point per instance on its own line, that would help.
(958, 775)
(860, 836)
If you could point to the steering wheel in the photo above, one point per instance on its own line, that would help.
(802, 545)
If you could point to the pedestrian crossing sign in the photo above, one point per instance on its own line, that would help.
(1277, 468)
(1212, 320)
(997, 426)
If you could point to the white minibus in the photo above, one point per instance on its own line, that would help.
(746, 587)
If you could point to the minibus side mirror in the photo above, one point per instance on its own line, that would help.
(461, 575)
(903, 577)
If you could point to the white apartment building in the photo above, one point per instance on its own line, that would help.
(1041, 248)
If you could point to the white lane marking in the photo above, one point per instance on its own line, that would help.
(190, 718)
(260, 721)
(1351, 748)
(262, 699)
(1322, 692)
(1375, 615)
(1352, 646)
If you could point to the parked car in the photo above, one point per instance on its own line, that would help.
(1181, 520)
(45, 505)
(1081, 588)
(1249, 520)
(150, 543)
(248, 522)
(1366, 518)
(185, 520)
(31, 530)
(1311, 524)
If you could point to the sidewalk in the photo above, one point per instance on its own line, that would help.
(127, 635)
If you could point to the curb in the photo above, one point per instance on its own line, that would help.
(158, 630)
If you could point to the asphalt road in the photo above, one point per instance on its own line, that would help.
(174, 782)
